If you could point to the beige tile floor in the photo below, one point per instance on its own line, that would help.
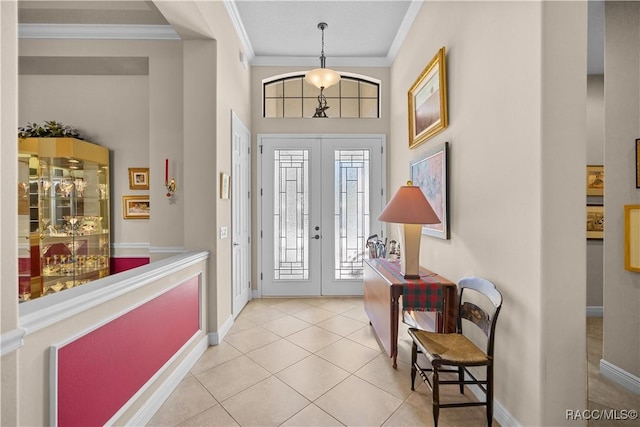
(316, 362)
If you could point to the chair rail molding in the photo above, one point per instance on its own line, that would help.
(11, 341)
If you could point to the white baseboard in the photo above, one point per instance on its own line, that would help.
(151, 406)
(216, 338)
(595, 311)
(255, 293)
(500, 412)
(620, 376)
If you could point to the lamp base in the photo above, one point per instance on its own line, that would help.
(410, 243)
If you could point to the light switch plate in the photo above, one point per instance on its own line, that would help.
(224, 232)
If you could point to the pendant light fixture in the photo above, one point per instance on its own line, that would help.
(322, 78)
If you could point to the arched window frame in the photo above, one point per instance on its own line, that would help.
(304, 98)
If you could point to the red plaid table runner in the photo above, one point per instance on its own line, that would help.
(424, 294)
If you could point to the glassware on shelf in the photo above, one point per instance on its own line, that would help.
(57, 287)
(63, 193)
(45, 185)
(66, 187)
(44, 224)
(81, 185)
(103, 191)
(23, 189)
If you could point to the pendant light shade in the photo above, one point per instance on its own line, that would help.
(322, 77)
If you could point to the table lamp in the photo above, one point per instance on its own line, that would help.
(410, 210)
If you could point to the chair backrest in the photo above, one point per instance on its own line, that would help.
(479, 303)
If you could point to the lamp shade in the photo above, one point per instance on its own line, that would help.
(322, 77)
(409, 206)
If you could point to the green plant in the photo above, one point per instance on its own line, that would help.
(50, 129)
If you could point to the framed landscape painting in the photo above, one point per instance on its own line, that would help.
(429, 172)
(428, 101)
(135, 207)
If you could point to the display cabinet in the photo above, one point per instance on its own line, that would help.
(63, 214)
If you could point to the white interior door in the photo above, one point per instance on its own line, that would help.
(241, 213)
(320, 199)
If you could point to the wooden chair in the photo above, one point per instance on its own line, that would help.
(479, 304)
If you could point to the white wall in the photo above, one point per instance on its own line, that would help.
(139, 118)
(8, 211)
(517, 92)
(206, 26)
(621, 334)
(595, 156)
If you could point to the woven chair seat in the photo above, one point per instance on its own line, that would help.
(450, 349)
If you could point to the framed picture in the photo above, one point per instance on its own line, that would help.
(637, 163)
(595, 222)
(632, 238)
(224, 185)
(428, 101)
(430, 173)
(135, 207)
(138, 178)
(595, 180)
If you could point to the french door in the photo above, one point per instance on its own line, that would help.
(320, 199)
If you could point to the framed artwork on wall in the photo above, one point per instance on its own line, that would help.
(430, 173)
(428, 101)
(225, 181)
(138, 178)
(637, 163)
(135, 207)
(595, 180)
(595, 222)
(632, 238)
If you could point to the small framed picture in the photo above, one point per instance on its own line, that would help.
(637, 163)
(595, 180)
(138, 178)
(225, 183)
(135, 207)
(595, 222)
(632, 238)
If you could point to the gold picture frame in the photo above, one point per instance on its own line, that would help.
(595, 180)
(595, 222)
(138, 178)
(428, 114)
(135, 207)
(632, 238)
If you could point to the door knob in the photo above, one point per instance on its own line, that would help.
(317, 236)
(236, 244)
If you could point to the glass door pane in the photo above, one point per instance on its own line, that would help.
(351, 212)
(291, 214)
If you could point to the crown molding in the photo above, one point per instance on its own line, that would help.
(403, 31)
(97, 32)
(232, 10)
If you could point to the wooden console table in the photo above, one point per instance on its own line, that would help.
(383, 288)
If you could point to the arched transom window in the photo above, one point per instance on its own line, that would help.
(292, 96)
